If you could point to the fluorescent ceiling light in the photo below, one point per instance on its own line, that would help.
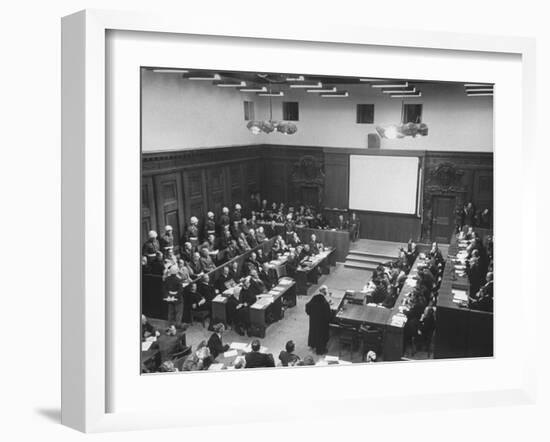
(252, 89)
(320, 91)
(298, 78)
(397, 91)
(241, 84)
(477, 85)
(307, 86)
(170, 71)
(213, 78)
(271, 94)
(480, 89)
(405, 84)
(418, 94)
(337, 95)
(372, 80)
(481, 94)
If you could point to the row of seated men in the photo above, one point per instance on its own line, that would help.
(248, 229)
(479, 268)
(174, 354)
(387, 282)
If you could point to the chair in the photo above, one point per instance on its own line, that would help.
(200, 315)
(371, 339)
(347, 337)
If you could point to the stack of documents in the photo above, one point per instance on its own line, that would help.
(460, 296)
(215, 367)
(238, 346)
(398, 320)
(230, 354)
(219, 298)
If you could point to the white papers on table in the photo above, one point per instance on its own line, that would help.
(230, 354)
(238, 345)
(215, 367)
(146, 345)
(460, 295)
(398, 320)
(341, 362)
(285, 281)
(219, 298)
(170, 299)
(329, 358)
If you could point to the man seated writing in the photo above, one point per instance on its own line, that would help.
(255, 359)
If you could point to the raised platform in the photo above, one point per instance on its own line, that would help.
(367, 254)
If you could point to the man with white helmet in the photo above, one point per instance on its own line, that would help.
(224, 219)
(209, 226)
(151, 247)
(192, 233)
(167, 240)
(173, 295)
(237, 215)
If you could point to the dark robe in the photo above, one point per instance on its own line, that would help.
(318, 310)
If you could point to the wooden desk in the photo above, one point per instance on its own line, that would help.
(460, 331)
(262, 309)
(307, 270)
(357, 315)
(338, 239)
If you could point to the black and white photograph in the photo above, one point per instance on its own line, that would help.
(291, 219)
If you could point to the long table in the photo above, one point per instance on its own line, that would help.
(391, 322)
(271, 305)
(307, 271)
(460, 331)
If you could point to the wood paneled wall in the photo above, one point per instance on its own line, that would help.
(178, 185)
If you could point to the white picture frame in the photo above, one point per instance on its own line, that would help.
(85, 209)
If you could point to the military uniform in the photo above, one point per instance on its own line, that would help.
(150, 249)
(167, 243)
(290, 227)
(172, 288)
(209, 228)
(192, 235)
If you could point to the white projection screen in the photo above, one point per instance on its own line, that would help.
(383, 183)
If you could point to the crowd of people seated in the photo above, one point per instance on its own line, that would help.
(479, 268)
(187, 287)
(387, 282)
(175, 355)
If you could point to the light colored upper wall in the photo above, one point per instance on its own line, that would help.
(181, 114)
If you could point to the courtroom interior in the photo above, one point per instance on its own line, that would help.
(290, 219)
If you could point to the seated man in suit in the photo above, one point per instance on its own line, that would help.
(260, 235)
(252, 263)
(171, 343)
(245, 228)
(251, 238)
(287, 356)
(291, 264)
(260, 256)
(192, 301)
(271, 229)
(255, 359)
(341, 223)
(207, 264)
(268, 277)
(147, 329)
(225, 280)
(215, 343)
(205, 289)
(314, 245)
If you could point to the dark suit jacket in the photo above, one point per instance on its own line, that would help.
(255, 359)
(216, 346)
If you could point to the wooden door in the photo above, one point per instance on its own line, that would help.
(216, 189)
(169, 204)
(148, 212)
(195, 194)
(443, 218)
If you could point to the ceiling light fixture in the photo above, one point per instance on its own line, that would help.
(388, 85)
(417, 94)
(298, 78)
(480, 94)
(372, 80)
(480, 89)
(397, 91)
(307, 86)
(241, 84)
(170, 71)
(321, 91)
(268, 126)
(342, 94)
(477, 85)
(215, 77)
(271, 94)
(253, 89)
